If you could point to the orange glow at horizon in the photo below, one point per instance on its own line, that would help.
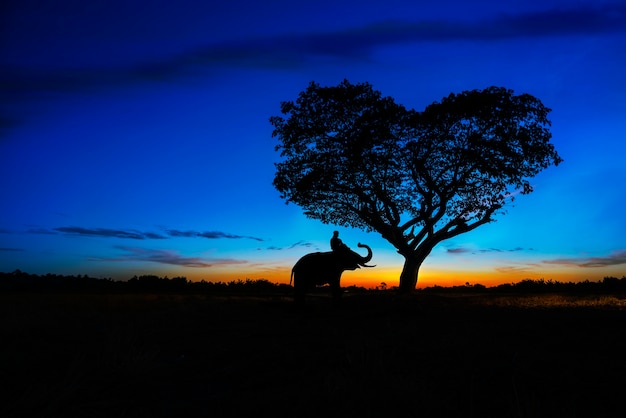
(372, 278)
(488, 278)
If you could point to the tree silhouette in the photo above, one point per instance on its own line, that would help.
(352, 157)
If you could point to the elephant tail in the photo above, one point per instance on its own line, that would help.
(291, 278)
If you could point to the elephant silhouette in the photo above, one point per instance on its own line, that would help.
(326, 268)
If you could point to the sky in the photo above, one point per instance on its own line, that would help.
(135, 135)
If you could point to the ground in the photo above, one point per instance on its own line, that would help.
(376, 355)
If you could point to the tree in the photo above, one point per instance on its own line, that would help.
(351, 157)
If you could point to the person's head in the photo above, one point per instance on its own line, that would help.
(336, 234)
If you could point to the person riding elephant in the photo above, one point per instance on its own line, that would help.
(336, 244)
(351, 259)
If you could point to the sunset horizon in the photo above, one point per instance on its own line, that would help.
(369, 279)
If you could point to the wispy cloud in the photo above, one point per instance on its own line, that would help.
(136, 234)
(614, 259)
(10, 250)
(464, 250)
(304, 244)
(513, 269)
(132, 254)
(209, 235)
(109, 233)
(458, 250)
(356, 43)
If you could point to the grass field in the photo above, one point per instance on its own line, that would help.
(376, 355)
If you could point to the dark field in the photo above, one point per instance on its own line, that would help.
(377, 355)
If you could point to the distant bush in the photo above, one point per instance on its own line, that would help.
(19, 281)
(607, 285)
(240, 286)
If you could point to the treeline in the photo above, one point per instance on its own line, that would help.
(19, 281)
(606, 285)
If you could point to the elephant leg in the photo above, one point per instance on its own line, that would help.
(299, 291)
(336, 291)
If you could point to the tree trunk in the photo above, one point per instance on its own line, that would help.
(410, 271)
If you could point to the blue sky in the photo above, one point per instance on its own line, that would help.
(134, 135)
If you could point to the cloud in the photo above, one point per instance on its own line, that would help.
(463, 250)
(585, 19)
(458, 250)
(300, 244)
(357, 42)
(290, 247)
(512, 269)
(135, 234)
(10, 250)
(133, 254)
(614, 259)
(208, 234)
(296, 50)
(109, 233)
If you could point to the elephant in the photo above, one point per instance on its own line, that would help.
(325, 268)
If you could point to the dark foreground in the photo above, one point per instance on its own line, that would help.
(375, 356)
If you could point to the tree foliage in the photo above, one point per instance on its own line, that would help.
(351, 157)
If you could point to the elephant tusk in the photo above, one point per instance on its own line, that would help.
(365, 265)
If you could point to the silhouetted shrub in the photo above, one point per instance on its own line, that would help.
(19, 281)
(607, 285)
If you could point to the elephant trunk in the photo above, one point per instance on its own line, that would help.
(368, 257)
